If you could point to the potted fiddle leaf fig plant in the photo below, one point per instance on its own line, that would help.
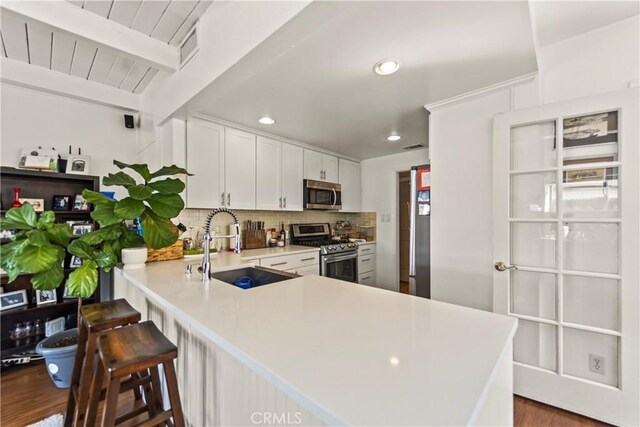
(40, 246)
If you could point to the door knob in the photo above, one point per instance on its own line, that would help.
(501, 266)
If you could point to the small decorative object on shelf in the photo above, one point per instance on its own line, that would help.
(78, 165)
(79, 229)
(80, 203)
(16, 202)
(13, 299)
(61, 203)
(45, 297)
(74, 263)
(38, 204)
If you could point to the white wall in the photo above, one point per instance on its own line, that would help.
(380, 194)
(30, 118)
(461, 140)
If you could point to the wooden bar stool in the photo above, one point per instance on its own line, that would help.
(125, 351)
(94, 319)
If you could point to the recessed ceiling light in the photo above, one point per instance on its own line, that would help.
(266, 120)
(384, 68)
(394, 138)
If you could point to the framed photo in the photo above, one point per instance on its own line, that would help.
(78, 165)
(66, 295)
(13, 299)
(7, 234)
(81, 228)
(46, 297)
(61, 203)
(37, 204)
(589, 174)
(590, 129)
(74, 263)
(80, 203)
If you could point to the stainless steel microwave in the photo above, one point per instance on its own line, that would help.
(322, 195)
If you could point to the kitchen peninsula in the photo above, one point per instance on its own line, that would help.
(317, 351)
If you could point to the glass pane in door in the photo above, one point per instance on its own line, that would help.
(533, 146)
(591, 356)
(591, 301)
(535, 344)
(533, 195)
(590, 193)
(533, 244)
(533, 294)
(590, 247)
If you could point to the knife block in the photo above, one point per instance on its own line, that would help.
(254, 239)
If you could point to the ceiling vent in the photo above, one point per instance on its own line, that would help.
(412, 147)
(189, 46)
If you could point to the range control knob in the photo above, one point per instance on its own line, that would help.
(341, 246)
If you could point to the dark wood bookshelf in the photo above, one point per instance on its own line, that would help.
(41, 185)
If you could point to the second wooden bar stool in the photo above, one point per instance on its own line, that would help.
(95, 318)
(125, 351)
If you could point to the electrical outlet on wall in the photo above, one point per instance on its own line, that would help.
(596, 364)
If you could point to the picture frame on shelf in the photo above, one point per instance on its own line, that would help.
(7, 234)
(80, 203)
(81, 228)
(78, 165)
(46, 297)
(61, 202)
(13, 299)
(74, 263)
(37, 204)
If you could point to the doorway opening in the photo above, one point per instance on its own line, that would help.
(404, 214)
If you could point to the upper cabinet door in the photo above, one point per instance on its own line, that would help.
(313, 165)
(268, 196)
(292, 176)
(240, 169)
(350, 182)
(330, 168)
(205, 155)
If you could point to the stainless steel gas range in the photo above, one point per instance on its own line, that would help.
(338, 258)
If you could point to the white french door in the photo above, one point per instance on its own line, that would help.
(567, 230)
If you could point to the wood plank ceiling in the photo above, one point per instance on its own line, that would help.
(166, 20)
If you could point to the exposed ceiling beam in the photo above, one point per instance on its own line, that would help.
(97, 29)
(22, 74)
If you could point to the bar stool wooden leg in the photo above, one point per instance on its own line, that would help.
(156, 394)
(94, 397)
(69, 418)
(85, 379)
(174, 395)
(111, 402)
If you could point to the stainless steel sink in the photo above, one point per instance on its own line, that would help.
(257, 276)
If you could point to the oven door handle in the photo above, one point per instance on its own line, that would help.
(332, 258)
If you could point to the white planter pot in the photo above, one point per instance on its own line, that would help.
(134, 258)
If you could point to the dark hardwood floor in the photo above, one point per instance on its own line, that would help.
(27, 395)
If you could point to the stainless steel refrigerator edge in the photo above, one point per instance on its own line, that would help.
(419, 243)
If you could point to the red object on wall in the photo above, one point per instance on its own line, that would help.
(424, 179)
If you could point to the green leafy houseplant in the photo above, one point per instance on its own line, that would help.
(40, 245)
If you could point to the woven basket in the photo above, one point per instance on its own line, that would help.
(165, 254)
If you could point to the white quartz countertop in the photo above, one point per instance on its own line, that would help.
(351, 354)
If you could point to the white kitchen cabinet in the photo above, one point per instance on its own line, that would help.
(312, 270)
(367, 263)
(279, 172)
(268, 173)
(320, 167)
(368, 278)
(292, 176)
(240, 169)
(205, 159)
(349, 179)
(306, 260)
